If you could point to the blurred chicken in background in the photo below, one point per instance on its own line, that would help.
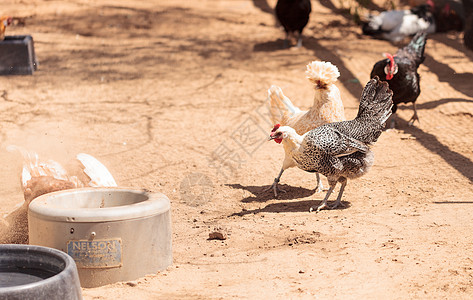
(293, 16)
(468, 34)
(5, 21)
(428, 16)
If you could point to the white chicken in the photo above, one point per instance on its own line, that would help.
(395, 25)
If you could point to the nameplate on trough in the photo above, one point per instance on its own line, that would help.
(96, 253)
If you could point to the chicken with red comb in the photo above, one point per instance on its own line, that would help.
(400, 71)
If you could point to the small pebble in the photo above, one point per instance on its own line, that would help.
(132, 283)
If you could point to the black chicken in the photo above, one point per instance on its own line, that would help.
(293, 16)
(400, 71)
(468, 35)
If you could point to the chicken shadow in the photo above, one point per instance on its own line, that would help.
(260, 195)
(459, 81)
(269, 46)
(436, 103)
(329, 4)
(453, 43)
(453, 202)
(263, 6)
(432, 104)
(290, 207)
(461, 163)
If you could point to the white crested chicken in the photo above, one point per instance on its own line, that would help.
(340, 150)
(5, 21)
(327, 108)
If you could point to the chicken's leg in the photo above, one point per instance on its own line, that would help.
(274, 186)
(320, 186)
(340, 193)
(324, 202)
(415, 116)
(299, 40)
(392, 121)
(286, 40)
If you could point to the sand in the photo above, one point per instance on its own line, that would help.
(170, 96)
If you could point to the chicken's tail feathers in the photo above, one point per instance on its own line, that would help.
(417, 45)
(322, 74)
(280, 106)
(375, 103)
(97, 172)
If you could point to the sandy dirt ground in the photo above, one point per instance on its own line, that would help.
(171, 96)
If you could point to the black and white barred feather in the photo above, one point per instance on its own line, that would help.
(342, 149)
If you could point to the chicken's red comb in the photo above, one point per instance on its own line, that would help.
(446, 9)
(388, 56)
(430, 3)
(276, 127)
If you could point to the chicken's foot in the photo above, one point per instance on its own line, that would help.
(339, 197)
(275, 186)
(414, 117)
(324, 202)
(286, 40)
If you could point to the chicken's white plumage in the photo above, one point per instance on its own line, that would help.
(395, 25)
(97, 172)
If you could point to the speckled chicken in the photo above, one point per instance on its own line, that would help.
(327, 108)
(341, 150)
(400, 70)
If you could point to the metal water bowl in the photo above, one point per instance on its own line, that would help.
(112, 234)
(41, 273)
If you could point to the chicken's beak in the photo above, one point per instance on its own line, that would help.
(271, 137)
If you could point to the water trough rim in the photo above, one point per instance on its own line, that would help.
(156, 203)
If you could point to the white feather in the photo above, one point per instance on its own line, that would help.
(98, 173)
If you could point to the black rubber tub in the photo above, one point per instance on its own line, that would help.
(34, 272)
(17, 56)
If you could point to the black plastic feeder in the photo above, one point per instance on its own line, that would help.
(39, 273)
(17, 55)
